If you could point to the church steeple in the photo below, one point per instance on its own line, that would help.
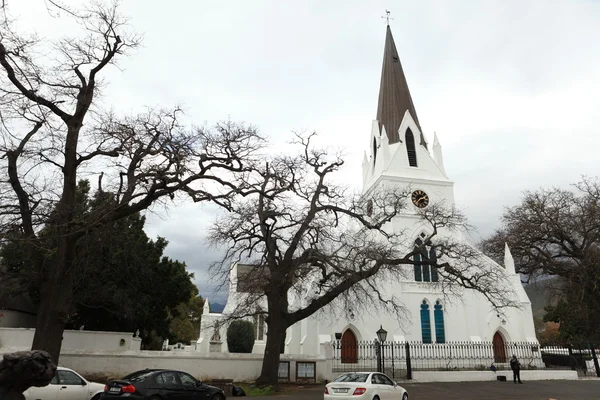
(394, 96)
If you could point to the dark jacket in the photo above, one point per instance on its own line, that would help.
(515, 365)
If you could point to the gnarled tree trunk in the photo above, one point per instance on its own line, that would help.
(273, 347)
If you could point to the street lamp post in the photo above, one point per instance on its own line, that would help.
(381, 335)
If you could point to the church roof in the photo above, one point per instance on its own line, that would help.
(394, 96)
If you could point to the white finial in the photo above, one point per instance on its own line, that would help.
(206, 307)
(437, 153)
(509, 261)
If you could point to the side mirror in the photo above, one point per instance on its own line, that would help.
(83, 383)
(395, 384)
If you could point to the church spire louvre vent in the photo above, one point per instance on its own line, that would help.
(394, 96)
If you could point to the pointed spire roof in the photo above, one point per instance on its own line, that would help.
(394, 96)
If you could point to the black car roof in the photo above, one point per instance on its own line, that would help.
(156, 370)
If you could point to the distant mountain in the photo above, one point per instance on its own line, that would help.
(540, 294)
(216, 307)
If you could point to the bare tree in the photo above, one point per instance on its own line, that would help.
(555, 233)
(53, 134)
(308, 243)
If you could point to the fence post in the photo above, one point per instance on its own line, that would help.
(572, 360)
(393, 369)
(408, 366)
(378, 350)
(595, 360)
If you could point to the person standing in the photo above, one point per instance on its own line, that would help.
(515, 365)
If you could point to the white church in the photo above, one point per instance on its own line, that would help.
(398, 155)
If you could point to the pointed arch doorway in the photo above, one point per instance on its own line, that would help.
(349, 347)
(499, 348)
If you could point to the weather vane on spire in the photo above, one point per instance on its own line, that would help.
(387, 17)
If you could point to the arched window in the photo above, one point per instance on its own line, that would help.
(410, 148)
(424, 272)
(433, 258)
(417, 260)
(438, 317)
(374, 151)
(425, 322)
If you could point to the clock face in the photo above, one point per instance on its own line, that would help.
(420, 198)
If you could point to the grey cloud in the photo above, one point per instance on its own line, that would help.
(510, 87)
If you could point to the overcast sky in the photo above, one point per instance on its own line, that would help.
(512, 88)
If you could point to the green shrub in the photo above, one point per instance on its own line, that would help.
(253, 390)
(240, 337)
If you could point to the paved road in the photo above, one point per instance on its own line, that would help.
(538, 390)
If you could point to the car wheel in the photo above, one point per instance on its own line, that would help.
(405, 396)
(218, 396)
(97, 397)
(154, 398)
(376, 398)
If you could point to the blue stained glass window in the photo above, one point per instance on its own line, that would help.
(438, 315)
(425, 323)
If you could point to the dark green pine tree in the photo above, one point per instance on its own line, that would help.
(122, 280)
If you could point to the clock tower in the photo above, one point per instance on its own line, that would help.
(399, 155)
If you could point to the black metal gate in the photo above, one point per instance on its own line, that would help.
(387, 357)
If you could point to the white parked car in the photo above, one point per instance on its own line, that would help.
(66, 385)
(364, 385)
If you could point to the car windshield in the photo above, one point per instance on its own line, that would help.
(138, 376)
(352, 378)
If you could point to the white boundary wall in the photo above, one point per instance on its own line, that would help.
(239, 367)
(14, 339)
(246, 367)
(472, 376)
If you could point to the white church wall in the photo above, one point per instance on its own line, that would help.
(477, 317)
(310, 340)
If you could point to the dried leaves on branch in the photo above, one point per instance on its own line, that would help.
(305, 243)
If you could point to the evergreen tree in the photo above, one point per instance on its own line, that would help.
(122, 280)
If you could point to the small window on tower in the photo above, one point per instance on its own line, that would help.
(374, 151)
(410, 148)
